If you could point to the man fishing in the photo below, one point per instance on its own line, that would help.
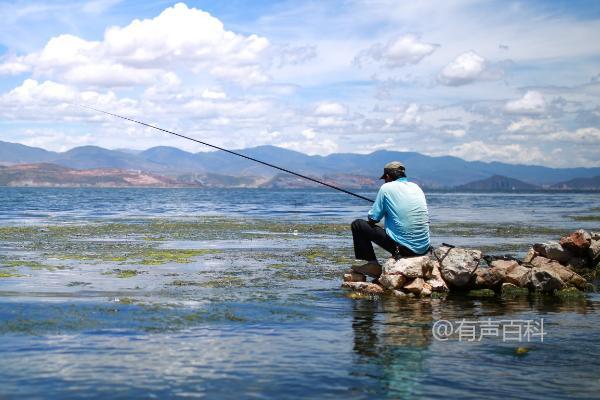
(406, 234)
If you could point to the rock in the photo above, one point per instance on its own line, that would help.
(565, 274)
(457, 265)
(595, 235)
(426, 291)
(594, 251)
(518, 275)
(364, 287)
(488, 277)
(578, 263)
(436, 281)
(508, 289)
(399, 294)
(577, 242)
(354, 277)
(511, 272)
(392, 282)
(545, 280)
(410, 267)
(531, 254)
(416, 286)
(553, 251)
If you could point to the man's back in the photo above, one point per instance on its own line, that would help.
(404, 207)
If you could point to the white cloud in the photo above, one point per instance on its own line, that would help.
(456, 133)
(529, 125)
(13, 68)
(532, 102)
(410, 115)
(398, 52)
(180, 37)
(468, 68)
(510, 153)
(590, 135)
(331, 108)
(213, 94)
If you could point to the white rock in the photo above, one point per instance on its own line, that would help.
(410, 267)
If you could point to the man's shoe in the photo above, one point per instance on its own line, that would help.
(372, 268)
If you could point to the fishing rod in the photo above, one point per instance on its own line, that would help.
(229, 151)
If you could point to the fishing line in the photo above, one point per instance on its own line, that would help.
(230, 152)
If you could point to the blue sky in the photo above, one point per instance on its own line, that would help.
(517, 82)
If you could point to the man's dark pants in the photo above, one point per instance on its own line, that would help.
(363, 234)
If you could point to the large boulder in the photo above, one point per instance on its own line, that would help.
(545, 280)
(511, 272)
(457, 265)
(553, 251)
(410, 267)
(364, 287)
(577, 242)
(564, 274)
(392, 282)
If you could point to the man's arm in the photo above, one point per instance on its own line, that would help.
(377, 211)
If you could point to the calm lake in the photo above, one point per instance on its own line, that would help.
(167, 293)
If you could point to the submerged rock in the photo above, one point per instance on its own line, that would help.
(364, 287)
(481, 293)
(553, 251)
(577, 242)
(457, 265)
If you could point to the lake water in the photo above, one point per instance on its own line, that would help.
(167, 293)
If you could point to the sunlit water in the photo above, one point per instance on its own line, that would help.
(275, 332)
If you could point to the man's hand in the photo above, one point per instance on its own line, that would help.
(373, 223)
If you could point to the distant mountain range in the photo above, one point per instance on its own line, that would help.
(220, 169)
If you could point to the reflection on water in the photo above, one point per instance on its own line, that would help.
(265, 316)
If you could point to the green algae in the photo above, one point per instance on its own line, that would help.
(511, 291)
(5, 274)
(123, 273)
(476, 229)
(164, 256)
(223, 282)
(570, 293)
(582, 218)
(481, 293)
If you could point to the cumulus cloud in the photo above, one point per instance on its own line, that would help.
(180, 37)
(529, 125)
(398, 52)
(532, 102)
(330, 108)
(467, 68)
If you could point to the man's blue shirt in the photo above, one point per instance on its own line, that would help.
(404, 207)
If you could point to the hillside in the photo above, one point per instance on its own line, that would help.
(432, 172)
(498, 183)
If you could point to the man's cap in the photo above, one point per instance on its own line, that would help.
(392, 166)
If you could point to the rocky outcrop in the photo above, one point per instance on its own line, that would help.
(547, 268)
